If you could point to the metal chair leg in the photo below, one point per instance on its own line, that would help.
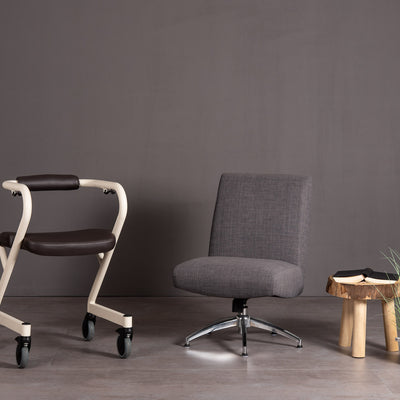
(244, 324)
(261, 324)
(216, 326)
(242, 321)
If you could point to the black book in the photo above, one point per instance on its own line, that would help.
(367, 275)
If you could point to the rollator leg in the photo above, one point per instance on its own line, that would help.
(22, 328)
(96, 310)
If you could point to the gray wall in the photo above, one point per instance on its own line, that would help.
(164, 96)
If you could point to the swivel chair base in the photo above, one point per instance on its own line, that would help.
(242, 321)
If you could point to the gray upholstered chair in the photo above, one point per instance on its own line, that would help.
(257, 248)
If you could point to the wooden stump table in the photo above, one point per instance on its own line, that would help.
(354, 313)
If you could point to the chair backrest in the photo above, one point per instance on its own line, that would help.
(262, 216)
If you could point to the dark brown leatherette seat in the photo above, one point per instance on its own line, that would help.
(71, 243)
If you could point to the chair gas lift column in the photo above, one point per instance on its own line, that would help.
(99, 242)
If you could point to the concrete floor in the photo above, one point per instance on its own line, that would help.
(63, 366)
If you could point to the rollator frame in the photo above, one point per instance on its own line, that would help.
(93, 308)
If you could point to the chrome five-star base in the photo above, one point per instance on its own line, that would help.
(242, 321)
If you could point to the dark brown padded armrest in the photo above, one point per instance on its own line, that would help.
(50, 182)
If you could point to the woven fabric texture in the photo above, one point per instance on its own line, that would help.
(258, 239)
(262, 216)
(237, 277)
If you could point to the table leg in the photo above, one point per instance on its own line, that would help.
(389, 322)
(346, 323)
(359, 329)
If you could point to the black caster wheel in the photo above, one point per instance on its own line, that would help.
(22, 351)
(124, 342)
(88, 326)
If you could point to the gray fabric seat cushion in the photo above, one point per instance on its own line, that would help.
(238, 277)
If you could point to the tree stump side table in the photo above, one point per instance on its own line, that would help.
(354, 313)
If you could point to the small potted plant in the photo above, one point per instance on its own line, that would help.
(394, 259)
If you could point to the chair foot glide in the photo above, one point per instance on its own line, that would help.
(124, 342)
(22, 351)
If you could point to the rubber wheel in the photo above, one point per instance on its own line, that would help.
(88, 329)
(22, 355)
(124, 346)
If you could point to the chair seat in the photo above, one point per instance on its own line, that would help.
(71, 243)
(238, 277)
